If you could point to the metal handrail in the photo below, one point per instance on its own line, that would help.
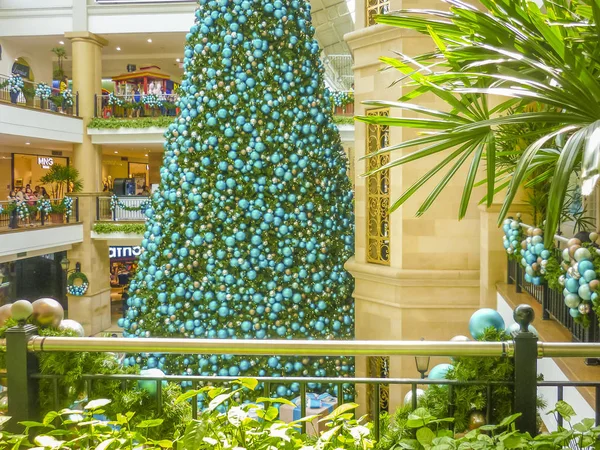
(557, 237)
(271, 347)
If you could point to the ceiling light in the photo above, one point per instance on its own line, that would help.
(116, 151)
(61, 42)
(178, 60)
(27, 143)
(146, 154)
(150, 41)
(118, 49)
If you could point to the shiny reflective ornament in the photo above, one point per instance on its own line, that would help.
(439, 372)
(476, 420)
(409, 395)
(47, 312)
(485, 318)
(73, 325)
(5, 313)
(21, 310)
(460, 338)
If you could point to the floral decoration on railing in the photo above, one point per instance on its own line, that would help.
(43, 91)
(534, 256)
(116, 203)
(44, 205)
(342, 99)
(151, 101)
(580, 281)
(15, 84)
(68, 97)
(513, 235)
(113, 100)
(68, 204)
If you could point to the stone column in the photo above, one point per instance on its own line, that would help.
(87, 81)
(92, 310)
(155, 159)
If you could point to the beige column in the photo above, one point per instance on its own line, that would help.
(92, 310)
(492, 260)
(87, 82)
(155, 159)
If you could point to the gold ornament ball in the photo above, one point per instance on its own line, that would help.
(47, 312)
(21, 310)
(5, 313)
(476, 420)
(594, 285)
(593, 236)
(573, 249)
(537, 232)
(573, 241)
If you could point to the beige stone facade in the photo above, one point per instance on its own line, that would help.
(431, 285)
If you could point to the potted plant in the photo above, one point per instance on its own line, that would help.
(62, 180)
(61, 55)
(15, 86)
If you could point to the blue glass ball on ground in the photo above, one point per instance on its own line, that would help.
(485, 318)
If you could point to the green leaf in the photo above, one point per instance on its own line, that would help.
(425, 436)
(151, 423)
(187, 395)
(165, 443)
(248, 383)
(49, 417)
(283, 401)
(194, 435)
(565, 410)
(95, 404)
(31, 424)
(509, 419)
(221, 398)
(339, 411)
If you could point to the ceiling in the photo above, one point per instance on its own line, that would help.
(331, 20)
(9, 140)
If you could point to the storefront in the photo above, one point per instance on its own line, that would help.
(28, 169)
(115, 167)
(123, 263)
(50, 279)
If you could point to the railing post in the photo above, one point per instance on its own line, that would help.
(525, 371)
(95, 105)
(97, 208)
(508, 279)
(518, 288)
(545, 300)
(23, 401)
(77, 209)
(77, 104)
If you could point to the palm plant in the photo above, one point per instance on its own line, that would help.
(62, 180)
(522, 54)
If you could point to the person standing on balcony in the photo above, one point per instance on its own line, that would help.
(64, 85)
(12, 200)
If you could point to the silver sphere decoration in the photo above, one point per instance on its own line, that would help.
(409, 395)
(584, 308)
(47, 312)
(73, 325)
(21, 310)
(5, 313)
(460, 338)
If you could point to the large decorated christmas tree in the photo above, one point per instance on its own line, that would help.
(247, 236)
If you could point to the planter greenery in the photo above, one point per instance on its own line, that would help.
(541, 63)
(62, 180)
(128, 228)
(61, 55)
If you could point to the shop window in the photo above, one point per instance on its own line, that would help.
(378, 193)
(378, 367)
(375, 7)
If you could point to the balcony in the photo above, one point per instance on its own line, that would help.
(120, 220)
(29, 113)
(29, 232)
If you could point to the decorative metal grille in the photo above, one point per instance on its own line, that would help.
(375, 7)
(378, 193)
(378, 367)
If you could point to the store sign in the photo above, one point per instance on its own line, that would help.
(45, 162)
(124, 252)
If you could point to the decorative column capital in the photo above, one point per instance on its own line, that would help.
(86, 36)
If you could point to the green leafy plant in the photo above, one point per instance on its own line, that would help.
(515, 50)
(62, 180)
(61, 55)
(129, 228)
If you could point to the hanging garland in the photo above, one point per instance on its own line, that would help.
(116, 203)
(82, 284)
(152, 101)
(342, 99)
(43, 91)
(68, 97)
(68, 204)
(535, 256)
(15, 84)
(23, 210)
(513, 235)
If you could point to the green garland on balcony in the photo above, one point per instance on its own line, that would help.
(127, 228)
(165, 121)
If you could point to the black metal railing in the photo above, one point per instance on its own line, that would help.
(552, 301)
(133, 106)
(22, 344)
(29, 98)
(11, 218)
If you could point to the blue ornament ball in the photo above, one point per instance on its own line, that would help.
(485, 318)
(439, 372)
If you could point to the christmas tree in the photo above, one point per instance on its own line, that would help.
(247, 236)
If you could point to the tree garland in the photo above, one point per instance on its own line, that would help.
(68, 204)
(15, 84)
(23, 210)
(43, 91)
(342, 99)
(114, 100)
(513, 235)
(534, 256)
(77, 289)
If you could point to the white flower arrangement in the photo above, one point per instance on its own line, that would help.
(68, 96)
(43, 91)
(15, 84)
(152, 101)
